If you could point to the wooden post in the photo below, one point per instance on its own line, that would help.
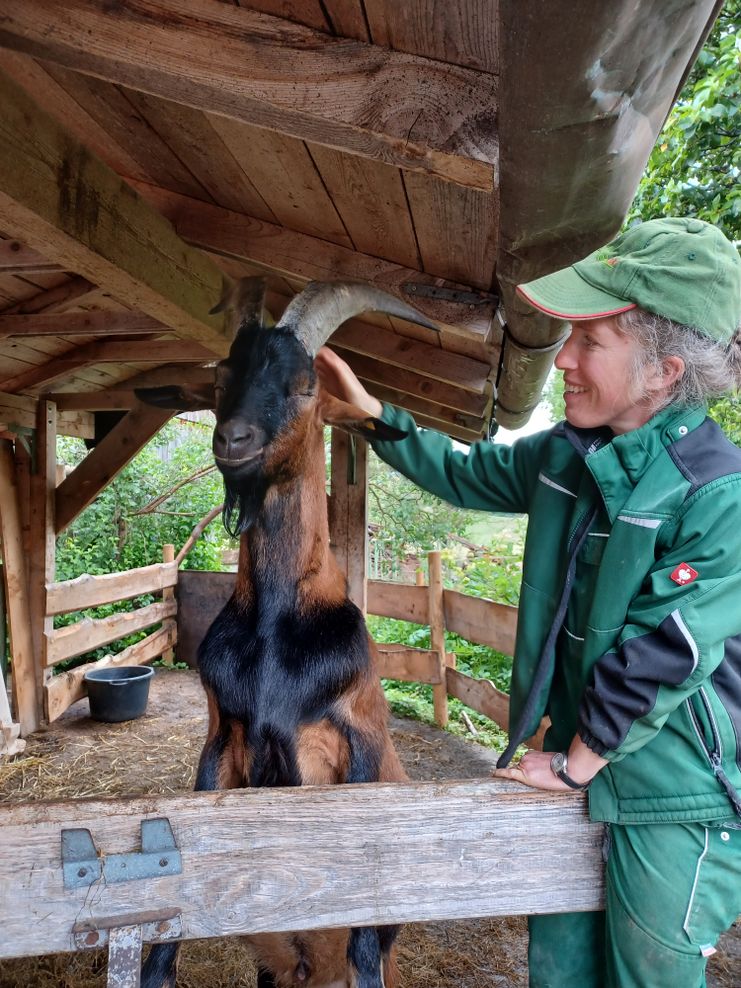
(437, 635)
(42, 557)
(348, 520)
(25, 694)
(168, 594)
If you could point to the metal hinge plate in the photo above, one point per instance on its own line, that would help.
(82, 865)
(459, 296)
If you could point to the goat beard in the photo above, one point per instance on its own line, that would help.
(242, 503)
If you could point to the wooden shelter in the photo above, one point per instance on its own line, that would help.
(150, 148)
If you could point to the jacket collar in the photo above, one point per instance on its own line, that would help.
(617, 463)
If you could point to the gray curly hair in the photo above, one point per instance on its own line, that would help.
(710, 368)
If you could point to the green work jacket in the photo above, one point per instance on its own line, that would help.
(641, 654)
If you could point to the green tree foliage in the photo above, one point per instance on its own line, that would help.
(694, 167)
(409, 519)
(122, 529)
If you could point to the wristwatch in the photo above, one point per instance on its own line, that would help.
(559, 767)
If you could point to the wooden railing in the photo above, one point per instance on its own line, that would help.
(87, 634)
(476, 619)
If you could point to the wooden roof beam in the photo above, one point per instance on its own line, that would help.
(106, 461)
(60, 199)
(106, 352)
(298, 255)
(406, 110)
(16, 258)
(95, 323)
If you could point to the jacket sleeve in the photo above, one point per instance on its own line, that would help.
(487, 476)
(674, 635)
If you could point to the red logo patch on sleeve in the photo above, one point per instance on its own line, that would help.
(684, 574)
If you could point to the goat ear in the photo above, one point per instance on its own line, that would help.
(191, 398)
(350, 418)
(245, 299)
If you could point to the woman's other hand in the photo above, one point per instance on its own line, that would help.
(534, 768)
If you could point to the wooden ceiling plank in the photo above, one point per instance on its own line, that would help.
(419, 406)
(60, 199)
(70, 293)
(370, 198)
(191, 136)
(16, 258)
(47, 92)
(108, 105)
(464, 32)
(296, 255)
(106, 461)
(348, 18)
(414, 382)
(465, 373)
(285, 177)
(306, 12)
(86, 323)
(105, 351)
(456, 230)
(413, 112)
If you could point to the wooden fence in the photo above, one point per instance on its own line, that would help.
(393, 853)
(478, 620)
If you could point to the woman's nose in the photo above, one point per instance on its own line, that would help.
(565, 357)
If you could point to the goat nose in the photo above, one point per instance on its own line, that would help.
(237, 438)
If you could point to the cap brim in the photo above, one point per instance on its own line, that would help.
(566, 295)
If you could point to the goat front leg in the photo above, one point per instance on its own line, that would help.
(218, 768)
(370, 950)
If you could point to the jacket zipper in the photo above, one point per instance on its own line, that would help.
(714, 756)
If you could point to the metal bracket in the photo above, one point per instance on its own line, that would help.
(460, 296)
(82, 865)
(124, 936)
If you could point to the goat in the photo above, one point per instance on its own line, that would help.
(288, 667)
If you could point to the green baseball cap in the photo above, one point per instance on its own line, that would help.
(683, 269)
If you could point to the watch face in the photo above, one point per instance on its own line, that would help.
(557, 762)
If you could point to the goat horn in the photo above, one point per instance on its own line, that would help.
(321, 307)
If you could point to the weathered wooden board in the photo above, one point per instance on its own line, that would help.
(90, 633)
(398, 600)
(25, 692)
(409, 111)
(92, 591)
(393, 853)
(411, 665)
(485, 621)
(200, 597)
(106, 461)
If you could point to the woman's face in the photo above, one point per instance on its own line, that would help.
(598, 364)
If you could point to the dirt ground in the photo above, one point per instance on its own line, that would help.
(78, 757)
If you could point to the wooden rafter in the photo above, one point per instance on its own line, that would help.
(106, 461)
(105, 352)
(409, 111)
(73, 292)
(97, 323)
(16, 258)
(58, 197)
(298, 255)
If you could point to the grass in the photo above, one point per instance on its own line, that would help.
(415, 699)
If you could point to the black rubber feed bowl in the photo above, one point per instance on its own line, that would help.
(119, 693)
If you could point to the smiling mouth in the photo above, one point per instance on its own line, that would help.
(572, 389)
(222, 461)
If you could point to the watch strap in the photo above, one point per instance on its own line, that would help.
(560, 769)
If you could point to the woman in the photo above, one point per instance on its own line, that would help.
(629, 634)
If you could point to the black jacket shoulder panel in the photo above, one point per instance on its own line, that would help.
(704, 455)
